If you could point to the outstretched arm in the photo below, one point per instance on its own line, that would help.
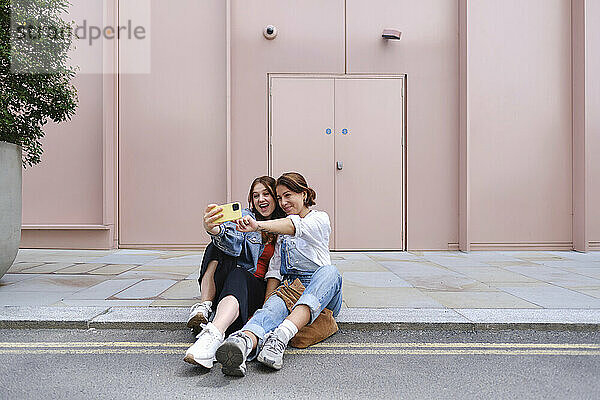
(281, 226)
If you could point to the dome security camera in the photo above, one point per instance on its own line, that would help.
(270, 32)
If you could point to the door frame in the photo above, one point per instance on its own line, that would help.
(402, 77)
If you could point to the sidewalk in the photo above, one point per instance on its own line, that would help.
(441, 290)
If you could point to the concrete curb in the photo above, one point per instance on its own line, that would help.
(171, 318)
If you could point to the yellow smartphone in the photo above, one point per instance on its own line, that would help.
(231, 212)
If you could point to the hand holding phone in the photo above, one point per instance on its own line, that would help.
(229, 212)
(211, 214)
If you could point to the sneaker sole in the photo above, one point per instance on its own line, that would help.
(231, 357)
(204, 363)
(196, 320)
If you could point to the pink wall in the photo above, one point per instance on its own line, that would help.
(310, 39)
(428, 54)
(519, 70)
(172, 128)
(173, 122)
(66, 187)
(593, 117)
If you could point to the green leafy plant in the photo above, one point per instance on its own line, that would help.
(35, 78)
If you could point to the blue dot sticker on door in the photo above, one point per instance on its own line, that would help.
(344, 131)
(328, 131)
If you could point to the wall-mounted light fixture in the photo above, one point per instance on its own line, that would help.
(270, 32)
(391, 34)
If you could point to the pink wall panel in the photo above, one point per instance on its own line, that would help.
(428, 54)
(593, 116)
(520, 108)
(310, 39)
(66, 187)
(172, 127)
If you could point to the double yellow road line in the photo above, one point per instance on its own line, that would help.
(416, 348)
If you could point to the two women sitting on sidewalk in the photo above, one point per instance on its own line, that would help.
(300, 260)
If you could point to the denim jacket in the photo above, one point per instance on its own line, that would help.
(247, 247)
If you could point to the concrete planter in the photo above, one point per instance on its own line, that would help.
(10, 204)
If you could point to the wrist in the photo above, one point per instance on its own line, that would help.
(214, 231)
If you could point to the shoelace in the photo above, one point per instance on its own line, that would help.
(273, 343)
(211, 334)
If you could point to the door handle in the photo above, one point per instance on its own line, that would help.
(339, 165)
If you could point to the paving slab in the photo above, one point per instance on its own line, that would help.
(455, 261)
(374, 279)
(428, 276)
(479, 300)
(112, 269)
(349, 255)
(150, 275)
(590, 292)
(35, 298)
(187, 289)
(46, 268)
(182, 253)
(20, 266)
(48, 317)
(126, 259)
(104, 303)
(383, 297)
(556, 276)
(55, 283)
(553, 297)
(79, 268)
(187, 303)
(103, 290)
(179, 269)
(394, 256)
(190, 261)
(145, 289)
(59, 257)
(358, 265)
(9, 279)
(193, 276)
(489, 274)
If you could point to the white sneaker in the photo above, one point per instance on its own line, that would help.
(199, 314)
(272, 350)
(203, 351)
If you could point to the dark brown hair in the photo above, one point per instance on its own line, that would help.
(269, 183)
(297, 184)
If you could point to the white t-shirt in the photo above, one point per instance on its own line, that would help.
(311, 239)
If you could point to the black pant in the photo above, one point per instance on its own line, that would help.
(231, 280)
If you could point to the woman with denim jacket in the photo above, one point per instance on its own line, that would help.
(233, 271)
(302, 251)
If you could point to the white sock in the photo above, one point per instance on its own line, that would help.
(288, 329)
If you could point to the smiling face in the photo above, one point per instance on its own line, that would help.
(262, 200)
(291, 202)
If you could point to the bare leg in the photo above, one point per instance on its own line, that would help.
(207, 285)
(300, 316)
(253, 337)
(227, 312)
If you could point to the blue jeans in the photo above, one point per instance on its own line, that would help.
(323, 289)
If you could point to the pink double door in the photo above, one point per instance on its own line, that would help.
(345, 134)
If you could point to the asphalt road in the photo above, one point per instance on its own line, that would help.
(118, 364)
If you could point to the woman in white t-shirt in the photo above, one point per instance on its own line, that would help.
(302, 252)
